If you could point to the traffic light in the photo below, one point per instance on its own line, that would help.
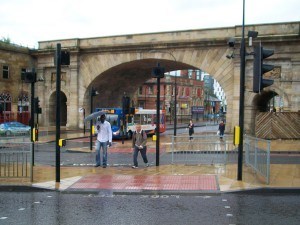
(65, 58)
(158, 72)
(28, 77)
(259, 68)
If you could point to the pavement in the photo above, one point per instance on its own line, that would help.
(172, 178)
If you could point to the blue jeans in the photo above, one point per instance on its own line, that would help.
(221, 134)
(143, 153)
(104, 148)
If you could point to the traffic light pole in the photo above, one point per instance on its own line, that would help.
(157, 120)
(123, 116)
(242, 99)
(32, 119)
(58, 83)
(158, 72)
(91, 121)
(175, 107)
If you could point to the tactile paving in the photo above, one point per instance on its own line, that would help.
(148, 182)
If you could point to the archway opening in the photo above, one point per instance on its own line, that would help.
(63, 109)
(265, 102)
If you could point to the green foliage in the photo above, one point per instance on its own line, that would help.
(6, 40)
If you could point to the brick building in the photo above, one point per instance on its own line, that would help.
(14, 94)
(190, 94)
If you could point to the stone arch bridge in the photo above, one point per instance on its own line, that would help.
(117, 64)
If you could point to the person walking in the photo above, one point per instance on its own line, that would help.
(221, 129)
(191, 129)
(139, 141)
(104, 139)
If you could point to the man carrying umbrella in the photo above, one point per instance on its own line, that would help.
(104, 139)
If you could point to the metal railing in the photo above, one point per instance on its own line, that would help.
(15, 159)
(257, 155)
(203, 150)
(211, 150)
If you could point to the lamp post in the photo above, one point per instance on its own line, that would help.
(93, 93)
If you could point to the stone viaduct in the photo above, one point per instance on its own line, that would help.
(117, 64)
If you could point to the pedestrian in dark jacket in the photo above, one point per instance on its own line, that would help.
(139, 141)
(221, 129)
(191, 129)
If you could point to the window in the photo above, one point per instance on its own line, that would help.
(23, 103)
(190, 74)
(198, 74)
(150, 90)
(5, 101)
(187, 92)
(5, 71)
(140, 90)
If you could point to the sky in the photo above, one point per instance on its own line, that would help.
(26, 22)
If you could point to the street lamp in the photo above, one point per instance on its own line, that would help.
(93, 93)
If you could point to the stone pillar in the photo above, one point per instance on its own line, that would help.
(73, 96)
(232, 116)
(295, 87)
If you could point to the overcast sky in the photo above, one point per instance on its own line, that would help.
(26, 22)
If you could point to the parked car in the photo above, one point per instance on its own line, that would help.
(14, 128)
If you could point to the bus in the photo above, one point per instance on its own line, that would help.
(145, 117)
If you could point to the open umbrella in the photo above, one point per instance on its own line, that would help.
(93, 115)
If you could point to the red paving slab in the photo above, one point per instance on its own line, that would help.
(150, 182)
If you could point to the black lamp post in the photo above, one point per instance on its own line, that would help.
(93, 93)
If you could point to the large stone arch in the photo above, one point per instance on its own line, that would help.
(253, 103)
(97, 61)
(127, 71)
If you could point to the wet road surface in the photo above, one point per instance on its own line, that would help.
(106, 208)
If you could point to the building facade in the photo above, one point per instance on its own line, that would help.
(190, 94)
(14, 93)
